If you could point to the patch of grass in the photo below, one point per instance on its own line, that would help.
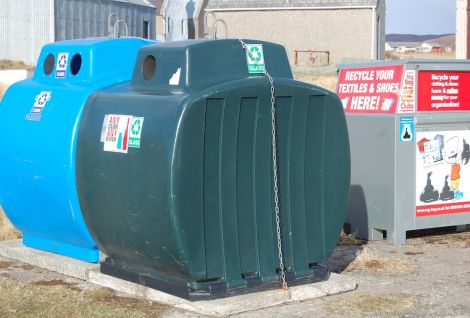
(368, 260)
(365, 304)
(7, 231)
(26, 267)
(5, 264)
(350, 240)
(57, 300)
(413, 253)
(100, 294)
(55, 282)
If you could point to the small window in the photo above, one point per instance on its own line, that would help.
(49, 63)
(149, 67)
(76, 64)
(168, 25)
(146, 30)
(182, 26)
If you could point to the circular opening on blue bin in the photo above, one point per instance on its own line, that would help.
(76, 64)
(149, 67)
(49, 64)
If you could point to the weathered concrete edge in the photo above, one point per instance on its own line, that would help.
(229, 306)
(14, 249)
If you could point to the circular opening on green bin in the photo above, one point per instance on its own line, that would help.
(76, 64)
(149, 67)
(49, 64)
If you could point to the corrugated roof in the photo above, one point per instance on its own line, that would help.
(144, 3)
(254, 4)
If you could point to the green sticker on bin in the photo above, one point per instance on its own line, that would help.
(255, 58)
(135, 132)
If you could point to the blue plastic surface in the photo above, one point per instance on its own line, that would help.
(39, 120)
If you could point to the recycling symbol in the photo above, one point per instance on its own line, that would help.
(62, 61)
(43, 99)
(136, 127)
(255, 54)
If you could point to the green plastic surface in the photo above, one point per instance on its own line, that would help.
(194, 204)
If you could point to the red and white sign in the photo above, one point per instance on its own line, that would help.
(440, 209)
(443, 91)
(116, 131)
(370, 89)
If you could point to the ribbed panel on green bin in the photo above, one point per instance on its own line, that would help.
(191, 212)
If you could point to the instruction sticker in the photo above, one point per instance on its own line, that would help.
(117, 133)
(407, 128)
(40, 101)
(61, 67)
(121, 132)
(135, 132)
(255, 58)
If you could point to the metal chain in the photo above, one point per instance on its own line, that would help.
(275, 172)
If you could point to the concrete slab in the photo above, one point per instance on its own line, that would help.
(216, 308)
(15, 250)
(337, 284)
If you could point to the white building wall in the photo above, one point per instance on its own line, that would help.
(25, 26)
(178, 16)
(461, 33)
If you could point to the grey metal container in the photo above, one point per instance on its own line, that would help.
(404, 161)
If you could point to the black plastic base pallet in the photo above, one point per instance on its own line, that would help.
(214, 290)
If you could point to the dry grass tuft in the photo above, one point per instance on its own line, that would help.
(383, 305)
(7, 231)
(100, 294)
(5, 264)
(413, 253)
(350, 240)
(452, 239)
(55, 282)
(368, 260)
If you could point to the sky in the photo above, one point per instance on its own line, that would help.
(420, 16)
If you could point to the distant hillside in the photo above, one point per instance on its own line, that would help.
(413, 37)
(445, 41)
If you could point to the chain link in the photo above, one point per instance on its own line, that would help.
(275, 173)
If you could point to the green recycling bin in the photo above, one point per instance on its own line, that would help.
(175, 171)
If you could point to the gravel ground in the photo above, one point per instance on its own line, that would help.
(429, 276)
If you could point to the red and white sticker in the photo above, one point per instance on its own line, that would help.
(407, 99)
(116, 133)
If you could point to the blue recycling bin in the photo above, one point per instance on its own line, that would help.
(39, 120)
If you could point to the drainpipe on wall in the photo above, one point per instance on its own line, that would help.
(52, 21)
(374, 34)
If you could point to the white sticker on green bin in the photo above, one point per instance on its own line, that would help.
(135, 131)
(255, 58)
(117, 132)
